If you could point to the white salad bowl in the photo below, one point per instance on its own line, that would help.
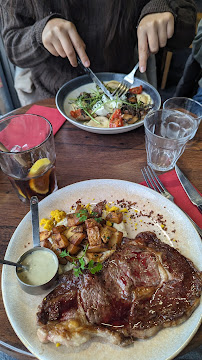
(71, 90)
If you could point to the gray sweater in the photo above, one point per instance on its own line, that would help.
(197, 47)
(22, 36)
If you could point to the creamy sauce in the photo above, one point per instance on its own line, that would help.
(42, 268)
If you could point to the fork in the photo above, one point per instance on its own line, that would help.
(126, 83)
(153, 182)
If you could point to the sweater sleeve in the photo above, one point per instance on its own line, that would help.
(155, 6)
(197, 45)
(184, 12)
(21, 29)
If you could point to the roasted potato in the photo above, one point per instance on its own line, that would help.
(94, 237)
(115, 217)
(59, 241)
(44, 235)
(115, 240)
(77, 238)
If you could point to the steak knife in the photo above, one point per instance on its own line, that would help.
(191, 192)
(95, 79)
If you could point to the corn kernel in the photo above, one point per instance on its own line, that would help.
(88, 207)
(108, 223)
(124, 210)
(47, 224)
(58, 215)
(57, 344)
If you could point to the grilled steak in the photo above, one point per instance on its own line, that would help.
(144, 286)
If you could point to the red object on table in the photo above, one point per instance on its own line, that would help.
(51, 114)
(172, 184)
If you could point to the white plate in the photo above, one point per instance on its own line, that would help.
(21, 308)
(72, 89)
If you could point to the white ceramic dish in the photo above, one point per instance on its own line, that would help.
(21, 308)
(70, 90)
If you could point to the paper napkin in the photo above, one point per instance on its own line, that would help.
(172, 184)
(51, 114)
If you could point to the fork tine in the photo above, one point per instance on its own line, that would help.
(120, 90)
(151, 180)
(148, 178)
(123, 92)
(145, 178)
(157, 179)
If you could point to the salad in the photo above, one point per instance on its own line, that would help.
(94, 108)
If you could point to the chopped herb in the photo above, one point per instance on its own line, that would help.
(80, 264)
(98, 219)
(93, 213)
(81, 215)
(64, 253)
(95, 268)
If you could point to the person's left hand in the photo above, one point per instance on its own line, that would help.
(153, 32)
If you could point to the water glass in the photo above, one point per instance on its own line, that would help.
(27, 155)
(166, 135)
(187, 106)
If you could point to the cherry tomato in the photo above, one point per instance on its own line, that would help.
(75, 114)
(136, 90)
(116, 119)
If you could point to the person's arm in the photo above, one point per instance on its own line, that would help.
(162, 23)
(29, 41)
(60, 38)
(197, 45)
(21, 33)
(185, 23)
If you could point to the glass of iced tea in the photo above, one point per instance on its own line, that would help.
(27, 155)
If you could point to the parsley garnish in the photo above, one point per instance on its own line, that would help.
(80, 264)
(98, 219)
(82, 215)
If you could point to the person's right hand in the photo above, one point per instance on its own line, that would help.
(61, 38)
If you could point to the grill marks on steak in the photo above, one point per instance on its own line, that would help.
(143, 286)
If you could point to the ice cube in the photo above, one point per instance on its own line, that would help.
(173, 130)
(16, 148)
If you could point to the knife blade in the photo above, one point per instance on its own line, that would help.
(95, 79)
(191, 192)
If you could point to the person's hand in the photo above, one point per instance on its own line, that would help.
(61, 38)
(153, 32)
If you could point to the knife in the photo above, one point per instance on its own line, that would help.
(191, 192)
(95, 79)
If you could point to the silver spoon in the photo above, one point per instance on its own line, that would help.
(6, 262)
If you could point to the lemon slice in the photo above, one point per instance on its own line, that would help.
(40, 182)
(39, 167)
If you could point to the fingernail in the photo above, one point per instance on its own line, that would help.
(87, 63)
(142, 69)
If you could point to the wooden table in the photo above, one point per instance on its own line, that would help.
(81, 156)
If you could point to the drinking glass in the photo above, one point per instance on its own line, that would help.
(187, 106)
(27, 155)
(166, 135)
